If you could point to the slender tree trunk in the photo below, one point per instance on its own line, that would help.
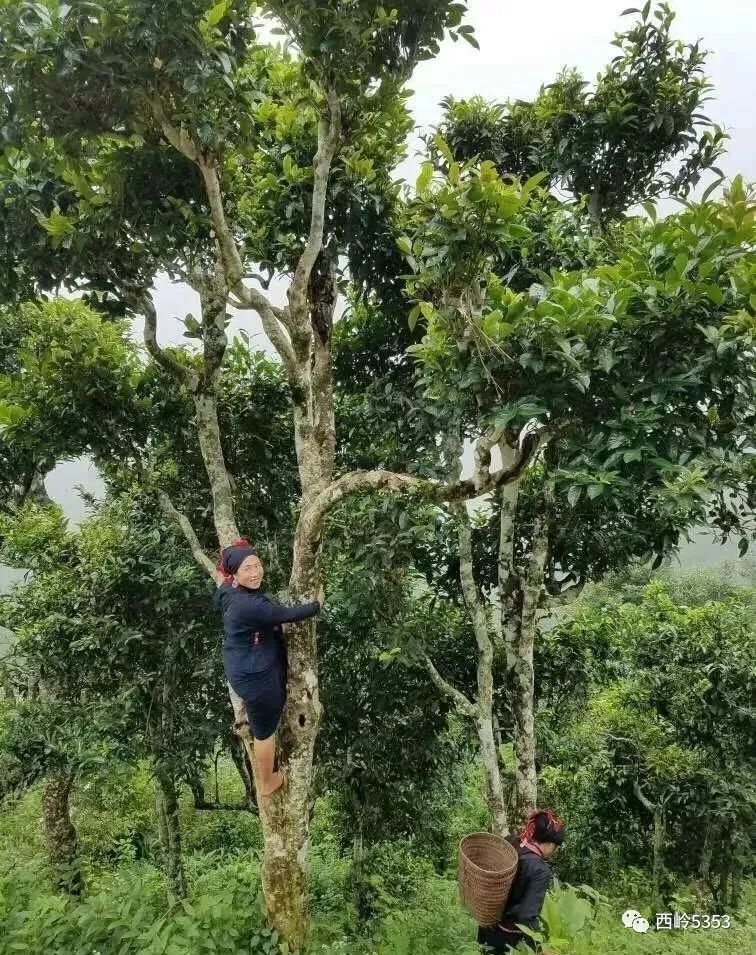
(60, 833)
(520, 597)
(494, 790)
(736, 886)
(358, 861)
(169, 826)
(9, 692)
(484, 704)
(206, 406)
(32, 485)
(244, 769)
(595, 209)
(520, 681)
(194, 779)
(660, 831)
(660, 837)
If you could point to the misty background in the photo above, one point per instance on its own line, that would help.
(521, 48)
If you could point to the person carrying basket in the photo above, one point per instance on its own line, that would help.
(536, 844)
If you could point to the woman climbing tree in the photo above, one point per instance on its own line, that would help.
(536, 844)
(254, 650)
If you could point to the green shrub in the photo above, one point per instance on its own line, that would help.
(573, 926)
(125, 914)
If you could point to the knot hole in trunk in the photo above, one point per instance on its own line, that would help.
(302, 719)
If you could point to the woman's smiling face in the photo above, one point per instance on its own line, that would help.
(251, 572)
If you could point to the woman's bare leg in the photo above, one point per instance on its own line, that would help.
(265, 753)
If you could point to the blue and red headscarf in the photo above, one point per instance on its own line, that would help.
(232, 557)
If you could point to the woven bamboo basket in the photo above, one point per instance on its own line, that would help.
(487, 867)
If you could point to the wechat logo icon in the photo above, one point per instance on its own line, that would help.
(634, 920)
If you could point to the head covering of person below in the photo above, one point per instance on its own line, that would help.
(233, 556)
(542, 826)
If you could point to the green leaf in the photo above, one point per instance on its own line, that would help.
(215, 14)
(413, 317)
(714, 293)
(710, 189)
(650, 210)
(681, 261)
(404, 244)
(11, 415)
(56, 224)
(574, 494)
(425, 178)
(533, 182)
(468, 33)
(442, 146)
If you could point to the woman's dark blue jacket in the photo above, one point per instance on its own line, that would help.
(254, 651)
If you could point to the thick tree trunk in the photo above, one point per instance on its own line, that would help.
(301, 335)
(286, 816)
(166, 802)
(60, 833)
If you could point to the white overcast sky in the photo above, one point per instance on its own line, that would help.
(521, 47)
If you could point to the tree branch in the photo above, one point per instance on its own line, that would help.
(178, 137)
(356, 482)
(483, 447)
(564, 599)
(183, 522)
(271, 317)
(213, 299)
(211, 447)
(472, 598)
(232, 261)
(231, 258)
(461, 703)
(329, 132)
(645, 802)
(510, 585)
(187, 376)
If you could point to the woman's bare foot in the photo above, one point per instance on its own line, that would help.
(276, 781)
